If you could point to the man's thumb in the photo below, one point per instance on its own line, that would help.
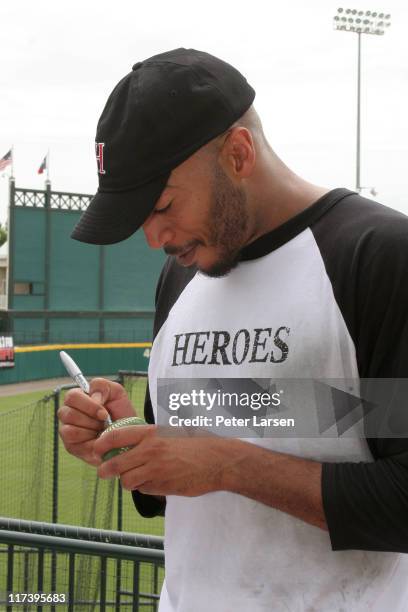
(97, 397)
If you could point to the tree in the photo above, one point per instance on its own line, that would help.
(3, 234)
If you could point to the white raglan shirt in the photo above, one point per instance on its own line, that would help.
(226, 552)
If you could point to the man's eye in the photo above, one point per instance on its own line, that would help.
(162, 210)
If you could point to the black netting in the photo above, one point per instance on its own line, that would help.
(44, 483)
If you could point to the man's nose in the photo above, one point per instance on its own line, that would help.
(157, 231)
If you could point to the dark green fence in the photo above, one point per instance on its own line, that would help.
(37, 362)
(85, 569)
(61, 290)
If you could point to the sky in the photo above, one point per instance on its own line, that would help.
(61, 59)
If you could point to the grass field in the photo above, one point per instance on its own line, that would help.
(22, 399)
(26, 433)
(26, 457)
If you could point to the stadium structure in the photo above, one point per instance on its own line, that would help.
(59, 294)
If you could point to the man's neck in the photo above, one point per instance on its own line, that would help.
(283, 196)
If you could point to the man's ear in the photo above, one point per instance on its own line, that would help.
(237, 154)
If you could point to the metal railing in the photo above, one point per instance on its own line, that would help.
(38, 198)
(57, 553)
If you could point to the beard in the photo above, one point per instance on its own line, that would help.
(227, 223)
(226, 226)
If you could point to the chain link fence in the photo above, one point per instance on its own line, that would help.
(43, 482)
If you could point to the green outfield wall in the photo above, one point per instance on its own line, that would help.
(61, 290)
(40, 362)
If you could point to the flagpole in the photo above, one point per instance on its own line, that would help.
(48, 166)
(12, 163)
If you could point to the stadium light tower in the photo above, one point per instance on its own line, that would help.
(360, 22)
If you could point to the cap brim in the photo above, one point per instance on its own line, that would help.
(114, 216)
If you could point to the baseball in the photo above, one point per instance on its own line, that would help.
(121, 423)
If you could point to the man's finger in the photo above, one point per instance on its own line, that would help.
(121, 463)
(83, 450)
(72, 416)
(123, 436)
(71, 434)
(76, 398)
(112, 396)
(107, 389)
(135, 478)
(132, 479)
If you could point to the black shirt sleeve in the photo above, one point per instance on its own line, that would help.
(366, 257)
(148, 505)
(171, 283)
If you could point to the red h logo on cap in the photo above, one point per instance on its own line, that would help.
(99, 156)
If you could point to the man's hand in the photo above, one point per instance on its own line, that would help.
(165, 464)
(170, 463)
(82, 417)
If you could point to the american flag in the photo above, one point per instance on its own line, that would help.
(6, 160)
(43, 165)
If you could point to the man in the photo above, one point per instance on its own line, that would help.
(269, 276)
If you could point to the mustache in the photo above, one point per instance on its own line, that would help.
(181, 250)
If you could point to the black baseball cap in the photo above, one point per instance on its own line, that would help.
(159, 114)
